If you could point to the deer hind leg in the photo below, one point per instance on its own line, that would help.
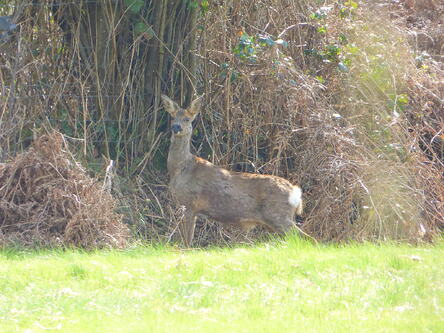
(285, 224)
(282, 226)
(186, 228)
(280, 223)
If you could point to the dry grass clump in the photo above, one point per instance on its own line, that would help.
(46, 198)
(398, 194)
(425, 121)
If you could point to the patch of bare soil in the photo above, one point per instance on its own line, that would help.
(46, 198)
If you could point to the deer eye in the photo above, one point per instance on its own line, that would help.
(186, 119)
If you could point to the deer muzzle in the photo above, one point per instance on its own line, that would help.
(176, 128)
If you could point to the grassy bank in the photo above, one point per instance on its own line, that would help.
(277, 286)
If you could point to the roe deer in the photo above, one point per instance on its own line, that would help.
(229, 197)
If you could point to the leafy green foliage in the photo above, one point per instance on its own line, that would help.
(347, 8)
(320, 14)
(204, 5)
(228, 71)
(134, 6)
(249, 47)
(141, 28)
(331, 53)
(246, 48)
(397, 103)
(336, 51)
(193, 4)
(320, 79)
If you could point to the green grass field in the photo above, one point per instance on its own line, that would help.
(279, 286)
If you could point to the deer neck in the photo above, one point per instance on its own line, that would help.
(179, 155)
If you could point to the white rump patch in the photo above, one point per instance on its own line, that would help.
(295, 197)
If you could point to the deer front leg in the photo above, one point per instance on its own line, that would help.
(186, 228)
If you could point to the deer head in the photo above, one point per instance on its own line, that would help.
(181, 123)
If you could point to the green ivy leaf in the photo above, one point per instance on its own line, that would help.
(322, 30)
(233, 76)
(266, 41)
(402, 100)
(141, 28)
(343, 38)
(193, 4)
(204, 5)
(320, 79)
(134, 6)
(351, 4)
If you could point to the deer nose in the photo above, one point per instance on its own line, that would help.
(176, 128)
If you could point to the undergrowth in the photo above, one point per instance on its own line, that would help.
(335, 95)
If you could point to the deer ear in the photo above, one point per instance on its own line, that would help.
(170, 106)
(195, 106)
